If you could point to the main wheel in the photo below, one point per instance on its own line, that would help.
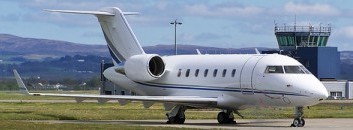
(176, 120)
(180, 121)
(222, 117)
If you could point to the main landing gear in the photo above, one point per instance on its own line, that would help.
(226, 117)
(176, 115)
(298, 120)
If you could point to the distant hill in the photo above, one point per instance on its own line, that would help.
(35, 53)
(10, 44)
(33, 48)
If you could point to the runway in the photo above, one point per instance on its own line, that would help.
(242, 124)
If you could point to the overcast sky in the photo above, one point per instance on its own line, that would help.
(217, 23)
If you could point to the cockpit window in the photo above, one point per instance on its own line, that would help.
(293, 70)
(305, 70)
(287, 69)
(274, 69)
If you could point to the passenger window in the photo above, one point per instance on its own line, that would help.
(224, 73)
(197, 72)
(274, 69)
(206, 72)
(179, 72)
(233, 72)
(215, 73)
(187, 73)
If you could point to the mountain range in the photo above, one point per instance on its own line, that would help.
(32, 48)
(18, 50)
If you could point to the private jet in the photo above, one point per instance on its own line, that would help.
(229, 82)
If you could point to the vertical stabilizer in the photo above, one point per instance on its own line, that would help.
(121, 40)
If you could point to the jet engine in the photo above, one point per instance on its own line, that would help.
(146, 67)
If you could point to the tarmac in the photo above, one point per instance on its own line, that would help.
(242, 124)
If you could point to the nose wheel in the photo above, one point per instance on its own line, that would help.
(298, 120)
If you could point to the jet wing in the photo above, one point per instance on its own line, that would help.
(124, 99)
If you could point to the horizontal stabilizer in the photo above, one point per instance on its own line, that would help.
(81, 12)
(90, 12)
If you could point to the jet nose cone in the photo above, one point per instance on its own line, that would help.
(323, 95)
(322, 92)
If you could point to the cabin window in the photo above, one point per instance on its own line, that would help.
(206, 72)
(197, 72)
(224, 73)
(215, 73)
(233, 72)
(187, 73)
(274, 69)
(179, 73)
(293, 70)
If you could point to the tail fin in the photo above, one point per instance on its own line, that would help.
(21, 85)
(122, 42)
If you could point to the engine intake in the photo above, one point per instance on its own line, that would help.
(144, 67)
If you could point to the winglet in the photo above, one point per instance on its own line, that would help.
(198, 52)
(21, 85)
(257, 51)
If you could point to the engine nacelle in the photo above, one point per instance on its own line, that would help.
(146, 67)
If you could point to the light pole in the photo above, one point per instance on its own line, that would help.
(175, 25)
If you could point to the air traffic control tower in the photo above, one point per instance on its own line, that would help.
(307, 44)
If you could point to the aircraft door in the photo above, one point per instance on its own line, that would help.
(246, 75)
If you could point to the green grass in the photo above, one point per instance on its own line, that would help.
(25, 125)
(136, 111)
(19, 115)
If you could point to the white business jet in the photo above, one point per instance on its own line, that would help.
(229, 82)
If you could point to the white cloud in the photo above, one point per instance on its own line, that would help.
(227, 10)
(347, 32)
(311, 9)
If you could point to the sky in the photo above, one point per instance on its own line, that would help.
(215, 23)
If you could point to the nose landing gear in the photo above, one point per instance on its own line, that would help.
(298, 120)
